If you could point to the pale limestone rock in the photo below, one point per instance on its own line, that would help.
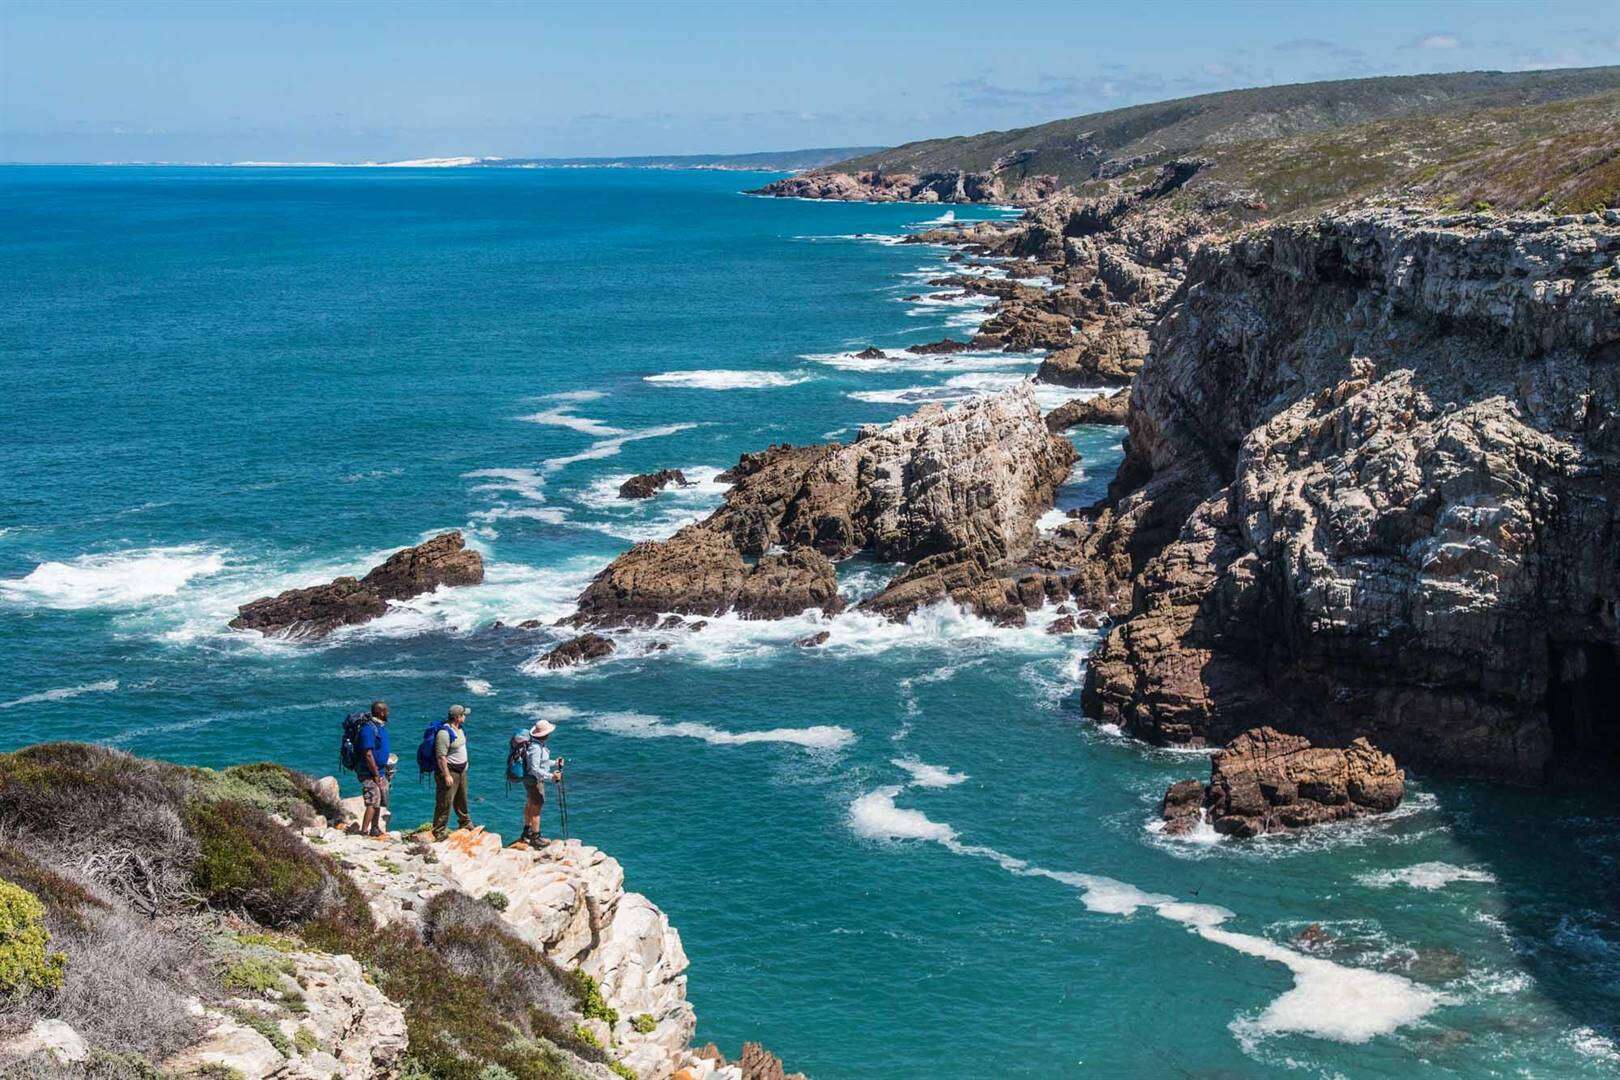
(568, 900)
(50, 1038)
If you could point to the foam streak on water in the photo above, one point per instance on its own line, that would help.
(1328, 1000)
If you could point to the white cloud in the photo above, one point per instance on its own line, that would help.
(1438, 41)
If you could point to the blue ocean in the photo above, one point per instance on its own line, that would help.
(903, 854)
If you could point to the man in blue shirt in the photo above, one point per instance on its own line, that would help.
(371, 767)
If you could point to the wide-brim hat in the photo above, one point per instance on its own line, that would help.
(541, 729)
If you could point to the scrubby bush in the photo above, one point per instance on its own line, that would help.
(619, 1068)
(27, 963)
(645, 1024)
(248, 862)
(588, 995)
(256, 975)
(497, 900)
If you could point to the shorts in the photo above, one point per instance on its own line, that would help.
(536, 789)
(374, 791)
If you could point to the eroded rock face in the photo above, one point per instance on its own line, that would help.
(1389, 444)
(646, 485)
(569, 901)
(944, 187)
(316, 611)
(959, 488)
(1106, 409)
(1265, 781)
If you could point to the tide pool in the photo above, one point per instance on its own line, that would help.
(904, 854)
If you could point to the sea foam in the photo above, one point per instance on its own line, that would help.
(1328, 1000)
(641, 726)
(718, 379)
(114, 579)
(64, 693)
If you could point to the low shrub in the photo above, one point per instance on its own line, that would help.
(588, 995)
(587, 1036)
(27, 964)
(645, 1024)
(305, 1040)
(256, 975)
(497, 900)
(619, 1068)
(248, 862)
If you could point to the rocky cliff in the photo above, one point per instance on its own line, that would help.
(1371, 490)
(956, 492)
(160, 920)
(952, 186)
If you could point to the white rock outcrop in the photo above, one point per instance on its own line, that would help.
(568, 900)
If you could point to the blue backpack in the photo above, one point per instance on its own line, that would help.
(517, 756)
(349, 748)
(427, 757)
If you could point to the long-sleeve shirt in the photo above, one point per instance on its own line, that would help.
(538, 761)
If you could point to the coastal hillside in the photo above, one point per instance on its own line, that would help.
(1105, 144)
(163, 921)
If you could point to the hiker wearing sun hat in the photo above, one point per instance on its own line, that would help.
(450, 772)
(536, 765)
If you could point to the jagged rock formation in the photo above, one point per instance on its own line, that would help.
(646, 485)
(318, 610)
(346, 1028)
(1371, 490)
(566, 899)
(1105, 409)
(955, 186)
(954, 491)
(1265, 781)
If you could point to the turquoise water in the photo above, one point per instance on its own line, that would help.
(217, 383)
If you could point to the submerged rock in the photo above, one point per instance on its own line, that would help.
(646, 485)
(871, 352)
(1266, 781)
(318, 610)
(811, 641)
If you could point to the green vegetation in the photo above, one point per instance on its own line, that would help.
(476, 996)
(254, 975)
(305, 1040)
(27, 963)
(588, 994)
(1219, 124)
(619, 1068)
(586, 1036)
(496, 899)
(645, 1024)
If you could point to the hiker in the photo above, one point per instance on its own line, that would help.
(538, 767)
(450, 772)
(371, 768)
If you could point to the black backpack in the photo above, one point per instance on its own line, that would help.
(349, 748)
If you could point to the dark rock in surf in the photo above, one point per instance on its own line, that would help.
(580, 650)
(811, 641)
(316, 611)
(1266, 781)
(943, 347)
(646, 485)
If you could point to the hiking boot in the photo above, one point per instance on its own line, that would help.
(377, 834)
(439, 835)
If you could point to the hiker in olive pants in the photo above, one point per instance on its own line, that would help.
(450, 773)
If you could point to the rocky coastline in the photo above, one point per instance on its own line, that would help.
(1368, 475)
(244, 927)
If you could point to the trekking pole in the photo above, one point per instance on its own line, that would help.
(562, 803)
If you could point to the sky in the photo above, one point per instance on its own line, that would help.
(359, 81)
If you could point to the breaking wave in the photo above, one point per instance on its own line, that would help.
(62, 694)
(1327, 1000)
(715, 379)
(113, 580)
